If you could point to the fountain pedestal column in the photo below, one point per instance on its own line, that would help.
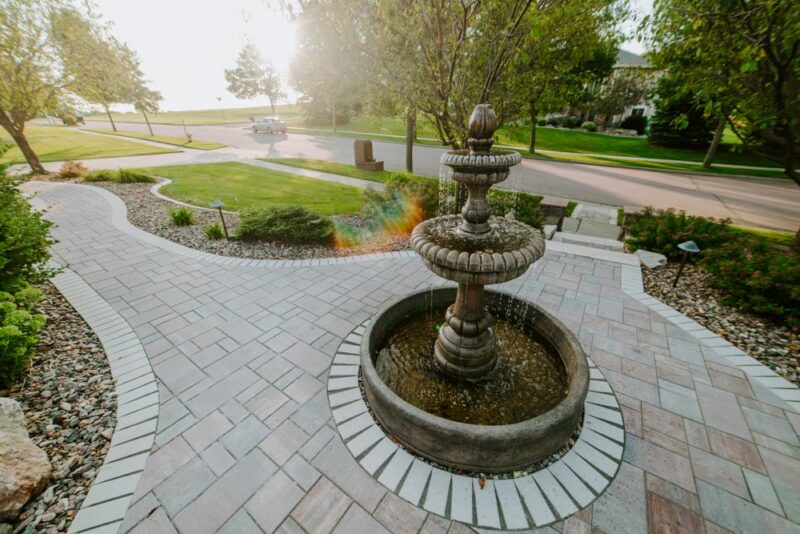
(465, 347)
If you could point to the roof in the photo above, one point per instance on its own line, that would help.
(629, 59)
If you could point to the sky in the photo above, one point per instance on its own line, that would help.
(185, 45)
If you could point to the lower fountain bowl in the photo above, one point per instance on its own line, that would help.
(469, 447)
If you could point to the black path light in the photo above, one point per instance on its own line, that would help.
(688, 247)
(219, 205)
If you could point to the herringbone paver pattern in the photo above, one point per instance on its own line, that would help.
(246, 441)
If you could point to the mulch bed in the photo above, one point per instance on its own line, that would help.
(69, 402)
(773, 344)
(151, 214)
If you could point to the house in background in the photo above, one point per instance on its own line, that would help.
(627, 62)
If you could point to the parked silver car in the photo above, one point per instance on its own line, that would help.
(269, 125)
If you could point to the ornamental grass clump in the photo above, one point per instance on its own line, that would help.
(101, 176)
(289, 224)
(71, 170)
(213, 231)
(128, 176)
(182, 217)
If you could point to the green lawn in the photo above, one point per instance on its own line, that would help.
(333, 168)
(778, 237)
(58, 144)
(205, 116)
(242, 186)
(197, 144)
(556, 139)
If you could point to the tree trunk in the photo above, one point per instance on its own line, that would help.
(532, 140)
(271, 105)
(333, 116)
(19, 138)
(148, 123)
(411, 126)
(108, 112)
(712, 150)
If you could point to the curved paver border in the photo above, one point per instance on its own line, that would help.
(137, 409)
(119, 218)
(533, 501)
(761, 376)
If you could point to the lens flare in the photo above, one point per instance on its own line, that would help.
(391, 222)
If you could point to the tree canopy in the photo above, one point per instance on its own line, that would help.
(742, 61)
(253, 76)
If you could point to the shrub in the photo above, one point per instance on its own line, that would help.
(71, 170)
(182, 216)
(128, 176)
(213, 231)
(425, 190)
(292, 224)
(399, 188)
(756, 277)
(19, 326)
(524, 206)
(24, 240)
(554, 120)
(635, 122)
(571, 122)
(100, 176)
(541, 122)
(589, 126)
(662, 231)
(679, 121)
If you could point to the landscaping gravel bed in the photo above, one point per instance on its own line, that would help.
(774, 345)
(69, 402)
(151, 214)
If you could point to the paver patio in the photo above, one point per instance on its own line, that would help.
(245, 440)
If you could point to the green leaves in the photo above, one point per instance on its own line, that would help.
(748, 66)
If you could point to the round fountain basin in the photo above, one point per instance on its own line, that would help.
(512, 438)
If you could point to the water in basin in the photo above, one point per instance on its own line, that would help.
(528, 380)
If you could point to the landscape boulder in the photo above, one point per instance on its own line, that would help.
(24, 467)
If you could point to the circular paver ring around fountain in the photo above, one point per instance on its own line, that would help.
(551, 494)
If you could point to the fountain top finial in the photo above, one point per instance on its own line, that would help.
(482, 124)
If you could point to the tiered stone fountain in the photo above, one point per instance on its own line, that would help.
(473, 379)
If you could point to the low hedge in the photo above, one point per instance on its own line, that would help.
(752, 273)
(663, 230)
(293, 224)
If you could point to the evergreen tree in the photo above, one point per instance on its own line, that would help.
(679, 120)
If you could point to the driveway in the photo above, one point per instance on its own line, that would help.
(758, 202)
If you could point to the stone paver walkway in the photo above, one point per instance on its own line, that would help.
(245, 440)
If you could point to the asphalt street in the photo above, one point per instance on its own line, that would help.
(757, 202)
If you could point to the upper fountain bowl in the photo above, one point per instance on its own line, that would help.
(480, 168)
(503, 254)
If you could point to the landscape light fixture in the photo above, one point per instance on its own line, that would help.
(219, 205)
(688, 247)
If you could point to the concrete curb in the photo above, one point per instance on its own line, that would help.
(137, 409)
